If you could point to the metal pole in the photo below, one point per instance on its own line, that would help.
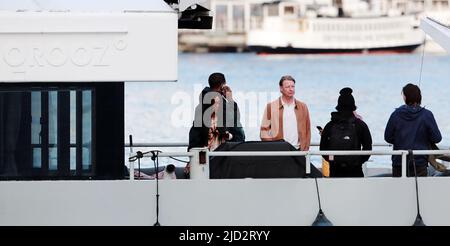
(185, 144)
(205, 167)
(199, 164)
(308, 165)
(131, 170)
(404, 164)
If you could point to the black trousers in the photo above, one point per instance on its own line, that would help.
(338, 170)
(422, 171)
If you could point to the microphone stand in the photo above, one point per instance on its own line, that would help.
(156, 163)
(155, 159)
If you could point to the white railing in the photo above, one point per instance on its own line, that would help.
(184, 144)
(201, 170)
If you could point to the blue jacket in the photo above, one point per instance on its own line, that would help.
(412, 127)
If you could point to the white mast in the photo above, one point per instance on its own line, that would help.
(438, 31)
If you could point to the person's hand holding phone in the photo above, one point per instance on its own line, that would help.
(320, 130)
(227, 93)
(226, 136)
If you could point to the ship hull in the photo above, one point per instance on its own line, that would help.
(294, 50)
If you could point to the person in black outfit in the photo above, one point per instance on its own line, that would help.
(228, 124)
(211, 125)
(346, 132)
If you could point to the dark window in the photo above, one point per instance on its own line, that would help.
(256, 16)
(272, 10)
(289, 10)
(48, 131)
(221, 18)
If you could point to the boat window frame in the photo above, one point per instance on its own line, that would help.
(63, 129)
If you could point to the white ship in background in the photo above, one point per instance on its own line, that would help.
(342, 25)
(291, 27)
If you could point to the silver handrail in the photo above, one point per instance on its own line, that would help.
(145, 145)
(184, 144)
(307, 154)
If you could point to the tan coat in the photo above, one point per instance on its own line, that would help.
(272, 123)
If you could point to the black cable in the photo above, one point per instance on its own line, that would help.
(321, 219)
(178, 159)
(415, 178)
(419, 221)
(138, 155)
(318, 196)
(421, 63)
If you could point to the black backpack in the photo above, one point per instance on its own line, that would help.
(343, 136)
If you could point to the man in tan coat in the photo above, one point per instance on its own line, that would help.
(287, 118)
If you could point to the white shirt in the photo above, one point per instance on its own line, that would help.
(290, 132)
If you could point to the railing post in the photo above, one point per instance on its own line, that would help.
(308, 163)
(365, 169)
(404, 164)
(131, 163)
(199, 163)
(131, 170)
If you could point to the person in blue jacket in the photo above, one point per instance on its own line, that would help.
(411, 127)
